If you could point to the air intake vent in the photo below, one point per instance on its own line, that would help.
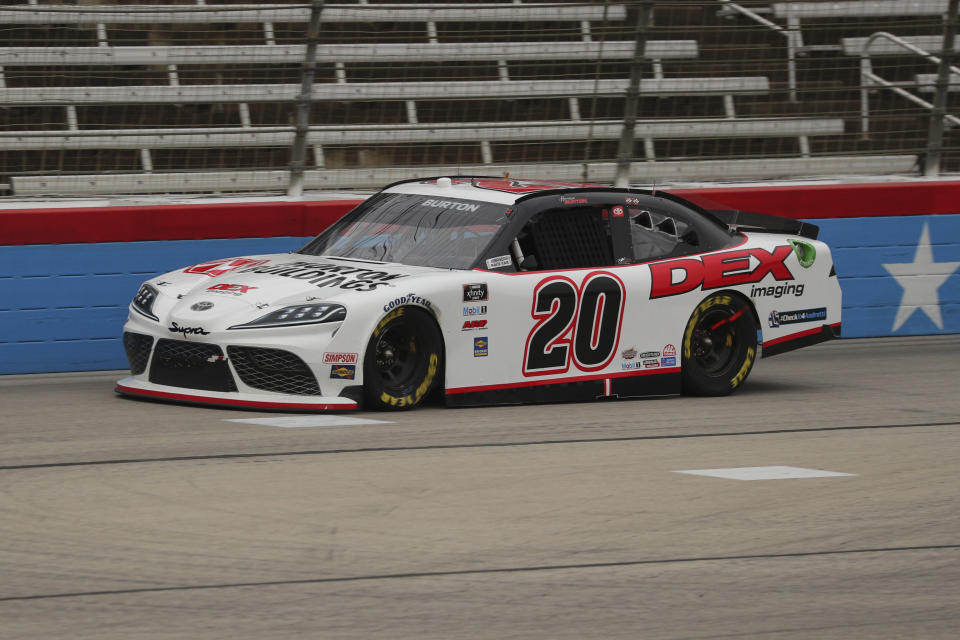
(138, 348)
(191, 365)
(273, 370)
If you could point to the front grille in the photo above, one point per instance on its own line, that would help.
(273, 370)
(191, 365)
(138, 348)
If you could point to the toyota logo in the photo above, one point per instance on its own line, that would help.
(202, 306)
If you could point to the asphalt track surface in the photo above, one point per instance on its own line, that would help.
(128, 519)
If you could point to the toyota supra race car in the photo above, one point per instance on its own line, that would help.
(488, 291)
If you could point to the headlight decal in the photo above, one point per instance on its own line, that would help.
(297, 315)
(143, 301)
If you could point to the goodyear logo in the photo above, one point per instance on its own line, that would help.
(343, 371)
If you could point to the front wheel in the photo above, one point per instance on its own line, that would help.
(719, 346)
(403, 360)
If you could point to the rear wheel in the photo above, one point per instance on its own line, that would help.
(719, 346)
(403, 360)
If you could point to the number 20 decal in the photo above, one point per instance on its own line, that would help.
(574, 323)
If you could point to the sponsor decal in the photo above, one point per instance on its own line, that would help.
(669, 350)
(629, 354)
(776, 291)
(471, 325)
(479, 310)
(449, 204)
(475, 292)
(322, 274)
(187, 331)
(220, 267)
(670, 361)
(499, 262)
(718, 270)
(410, 298)
(163, 283)
(230, 289)
(339, 358)
(806, 252)
(203, 305)
(343, 371)
(217, 359)
(630, 365)
(481, 347)
(617, 212)
(632, 201)
(650, 354)
(651, 364)
(572, 200)
(778, 318)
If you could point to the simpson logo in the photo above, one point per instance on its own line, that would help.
(233, 289)
(343, 371)
(220, 267)
(471, 325)
(339, 358)
(718, 270)
(475, 292)
(480, 310)
(778, 318)
(481, 347)
(650, 354)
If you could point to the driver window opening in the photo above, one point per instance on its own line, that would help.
(655, 235)
(564, 239)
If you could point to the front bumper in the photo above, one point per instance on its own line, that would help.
(242, 376)
(130, 386)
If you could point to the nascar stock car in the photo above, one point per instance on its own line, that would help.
(488, 291)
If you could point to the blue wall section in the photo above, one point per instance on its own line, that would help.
(62, 306)
(872, 297)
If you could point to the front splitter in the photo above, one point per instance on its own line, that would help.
(136, 388)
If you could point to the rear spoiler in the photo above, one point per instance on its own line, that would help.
(764, 222)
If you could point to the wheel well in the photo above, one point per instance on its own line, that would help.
(431, 318)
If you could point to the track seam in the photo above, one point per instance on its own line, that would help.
(480, 445)
(472, 572)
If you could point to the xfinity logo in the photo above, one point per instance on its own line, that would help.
(187, 331)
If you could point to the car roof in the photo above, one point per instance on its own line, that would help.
(498, 189)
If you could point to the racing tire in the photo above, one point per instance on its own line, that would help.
(719, 346)
(403, 361)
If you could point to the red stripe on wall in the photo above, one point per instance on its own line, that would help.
(272, 219)
(170, 222)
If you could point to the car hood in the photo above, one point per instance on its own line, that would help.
(263, 283)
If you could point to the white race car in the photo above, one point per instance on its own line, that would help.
(489, 291)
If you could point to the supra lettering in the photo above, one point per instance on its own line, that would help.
(187, 331)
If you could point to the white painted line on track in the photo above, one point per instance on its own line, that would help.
(765, 473)
(300, 422)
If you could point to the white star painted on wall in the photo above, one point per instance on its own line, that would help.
(920, 280)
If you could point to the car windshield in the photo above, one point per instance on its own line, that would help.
(413, 229)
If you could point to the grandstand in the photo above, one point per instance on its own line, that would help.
(128, 98)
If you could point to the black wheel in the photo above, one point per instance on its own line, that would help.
(719, 346)
(403, 360)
